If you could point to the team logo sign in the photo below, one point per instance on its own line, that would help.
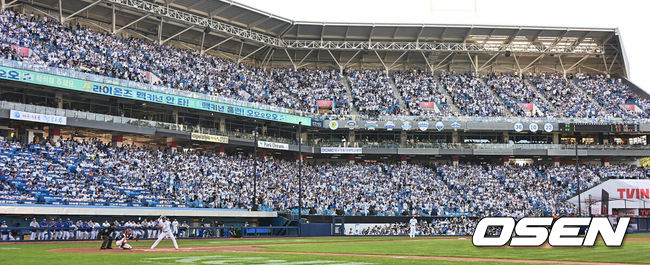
(406, 125)
(334, 125)
(423, 125)
(533, 127)
(371, 125)
(390, 125)
(440, 126)
(548, 127)
(351, 124)
(455, 125)
(519, 127)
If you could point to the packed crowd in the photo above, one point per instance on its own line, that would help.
(515, 93)
(418, 91)
(439, 226)
(613, 95)
(470, 95)
(68, 171)
(372, 93)
(564, 97)
(44, 41)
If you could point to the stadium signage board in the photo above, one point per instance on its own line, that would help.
(423, 125)
(518, 127)
(440, 126)
(273, 145)
(334, 125)
(340, 150)
(351, 125)
(371, 125)
(69, 83)
(209, 138)
(533, 127)
(563, 232)
(36, 117)
(548, 127)
(406, 125)
(389, 125)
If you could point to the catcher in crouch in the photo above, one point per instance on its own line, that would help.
(122, 240)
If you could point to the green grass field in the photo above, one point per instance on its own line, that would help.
(393, 248)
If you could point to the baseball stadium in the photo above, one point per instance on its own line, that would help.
(214, 132)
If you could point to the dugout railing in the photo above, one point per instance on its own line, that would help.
(71, 234)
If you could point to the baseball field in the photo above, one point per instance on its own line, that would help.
(331, 250)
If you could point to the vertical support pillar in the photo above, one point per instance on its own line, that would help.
(222, 125)
(556, 161)
(606, 161)
(160, 27)
(454, 160)
(58, 99)
(506, 137)
(454, 137)
(352, 138)
(402, 137)
(264, 130)
(117, 140)
(556, 138)
(351, 159)
(30, 136)
(403, 158)
(175, 116)
(113, 19)
(60, 12)
(506, 160)
(265, 156)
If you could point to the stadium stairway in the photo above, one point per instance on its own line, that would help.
(397, 94)
(539, 94)
(602, 110)
(444, 92)
(495, 95)
(348, 95)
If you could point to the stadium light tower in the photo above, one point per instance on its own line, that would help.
(255, 170)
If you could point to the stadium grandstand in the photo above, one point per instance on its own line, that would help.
(222, 115)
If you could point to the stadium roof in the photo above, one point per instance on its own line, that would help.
(245, 33)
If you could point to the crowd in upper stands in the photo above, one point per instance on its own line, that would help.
(44, 41)
(418, 91)
(67, 171)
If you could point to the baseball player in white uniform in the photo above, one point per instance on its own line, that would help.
(413, 222)
(35, 226)
(165, 231)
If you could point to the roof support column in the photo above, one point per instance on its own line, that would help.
(336, 61)
(160, 28)
(214, 46)
(258, 49)
(131, 23)
(429, 65)
(517, 64)
(113, 19)
(60, 12)
(179, 33)
(381, 61)
(63, 19)
(291, 60)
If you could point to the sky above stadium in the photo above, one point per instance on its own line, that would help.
(629, 16)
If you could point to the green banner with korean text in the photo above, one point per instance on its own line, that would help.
(38, 78)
